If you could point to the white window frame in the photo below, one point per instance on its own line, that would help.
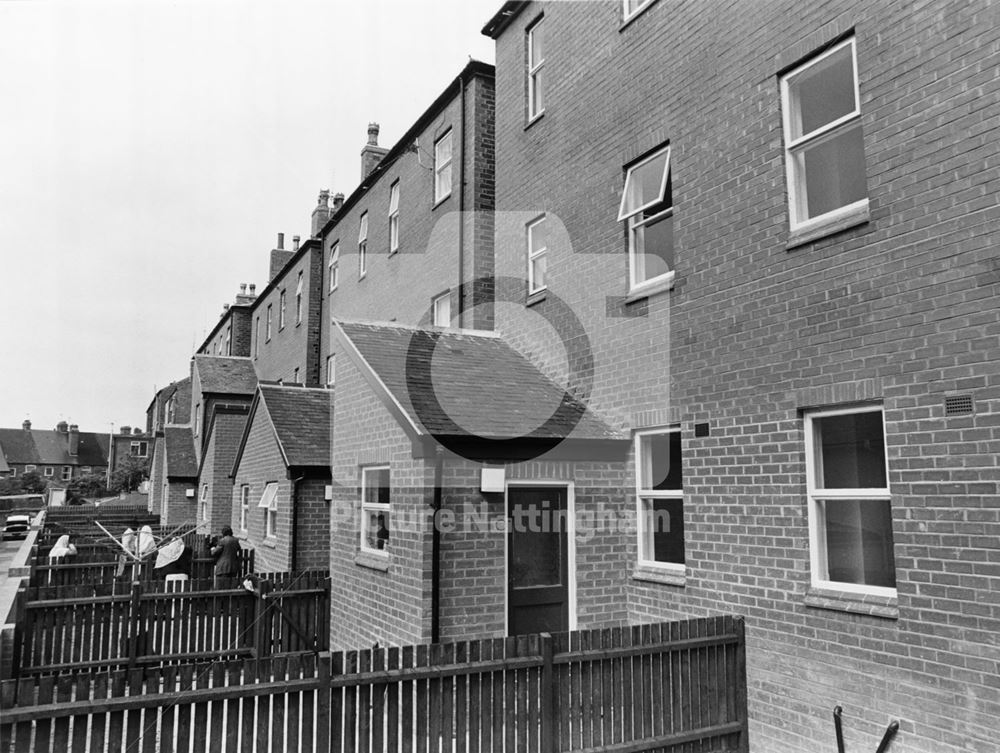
(534, 72)
(49, 471)
(67, 473)
(136, 449)
(628, 16)
(298, 300)
(229, 340)
(334, 266)
(30, 468)
(269, 503)
(267, 334)
(441, 308)
(368, 507)
(203, 502)
(363, 245)
(641, 494)
(331, 369)
(197, 419)
(282, 302)
(442, 167)
(86, 470)
(394, 218)
(818, 497)
(635, 220)
(792, 146)
(534, 256)
(244, 506)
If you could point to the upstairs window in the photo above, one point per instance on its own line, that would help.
(244, 506)
(256, 339)
(394, 218)
(334, 266)
(647, 207)
(660, 493)
(281, 311)
(824, 148)
(850, 512)
(268, 331)
(203, 501)
(298, 300)
(229, 340)
(295, 375)
(536, 61)
(363, 246)
(442, 167)
(269, 504)
(442, 310)
(537, 248)
(331, 370)
(138, 449)
(375, 509)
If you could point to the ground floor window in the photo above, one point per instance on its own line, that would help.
(67, 472)
(375, 508)
(850, 511)
(49, 470)
(660, 495)
(269, 503)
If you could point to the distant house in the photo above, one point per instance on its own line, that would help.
(61, 454)
(130, 442)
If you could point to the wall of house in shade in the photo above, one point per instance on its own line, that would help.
(893, 308)
(215, 484)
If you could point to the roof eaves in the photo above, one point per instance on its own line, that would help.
(473, 68)
(503, 17)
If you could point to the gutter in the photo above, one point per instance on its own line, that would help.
(436, 548)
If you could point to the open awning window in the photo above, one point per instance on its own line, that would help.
(269, 499)
(645, 184)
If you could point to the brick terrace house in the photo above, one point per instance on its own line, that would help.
(59, 455)
(130, 442)
(173, 468)
(280, 478)
(771, 223)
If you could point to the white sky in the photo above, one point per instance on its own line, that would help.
(151, 151)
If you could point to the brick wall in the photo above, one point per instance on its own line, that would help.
(901, 309)
(220, 453)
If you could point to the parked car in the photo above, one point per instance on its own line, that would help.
(16, 527)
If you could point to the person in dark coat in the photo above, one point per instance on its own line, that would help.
(227, 558)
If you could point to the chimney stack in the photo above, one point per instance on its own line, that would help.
(338, 202)
(74, 440)
(244, 298)
(137, 430)
(321, 213)
(372, 153)
(62, 427)
(26, 425)
(126, 430)
(295, 244)
(279, 257)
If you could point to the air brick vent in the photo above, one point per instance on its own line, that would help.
(958, 405)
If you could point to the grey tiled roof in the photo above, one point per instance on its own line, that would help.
(226, 376)
(301, 420)
(50, 447)
(454, 383)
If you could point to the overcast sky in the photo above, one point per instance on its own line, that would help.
(151, 151)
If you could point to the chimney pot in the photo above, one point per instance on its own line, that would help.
(281, 241)
(253, 288)
(136, 430)
(62, 427)
(26, 425)
(126, 430)
(324, 197)
(373, 130)
(338, 201)
(295, 243)
(243, 288)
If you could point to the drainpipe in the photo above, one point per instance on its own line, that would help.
(293, 535)
(461, 207)
(436, 547)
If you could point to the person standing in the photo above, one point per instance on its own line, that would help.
(227, 558)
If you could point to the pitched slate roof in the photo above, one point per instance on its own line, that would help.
(226, 375)
(181, 459)
(50, 447)
(301, 420)
(452, 383)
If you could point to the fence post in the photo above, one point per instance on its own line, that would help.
(741, 697)
(548, 698)
(133, 623)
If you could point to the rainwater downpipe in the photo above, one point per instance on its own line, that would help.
(293, 558)
(461, 207)
(436, 546)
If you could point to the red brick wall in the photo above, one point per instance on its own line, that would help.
(903, 309)
(295, 346)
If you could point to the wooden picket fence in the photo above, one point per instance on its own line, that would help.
(678, 687)
(155, 622)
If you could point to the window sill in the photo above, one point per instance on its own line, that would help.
(371, 561)
(270, 542)
(535, 119)
(442, 200)
(872, 605)
(537, 297)
(628, 21)
(662, 575)
(647, 289)
(361, 277)
(858, 215)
